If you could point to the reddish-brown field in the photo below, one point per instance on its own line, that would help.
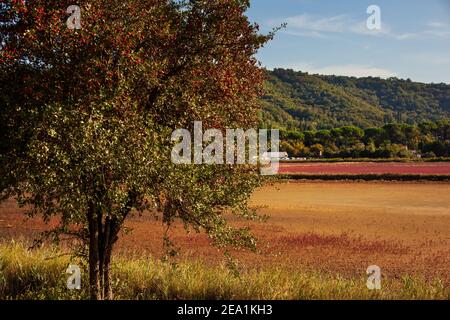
(425, 168)
(341, 227)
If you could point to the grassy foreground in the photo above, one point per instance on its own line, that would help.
(40, 274)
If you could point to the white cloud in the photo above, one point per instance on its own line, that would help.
(351, 70)
(308, 22)
(407, 36)
(355, 70)
(307, 25)
(308, 34)
(437, 24)
(432, 58)
(314, 26)
(444, 33)
(361, 28)
(434, 29)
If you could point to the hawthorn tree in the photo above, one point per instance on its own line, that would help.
(87, 116)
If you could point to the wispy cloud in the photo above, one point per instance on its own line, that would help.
(307, 33)
(438, 24)
(360, 27)
(433, 29)
(351, 70)
(308, 22)
(355, 70)
(321, 27)
(307, 25)
(433, 58)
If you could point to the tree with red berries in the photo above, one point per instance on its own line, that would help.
(87, 116)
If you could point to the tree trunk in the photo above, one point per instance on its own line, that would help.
(101, 250)
(108, 293)
(94, 279)
(107, 246)
(103, 234)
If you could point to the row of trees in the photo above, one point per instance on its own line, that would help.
(428, 139)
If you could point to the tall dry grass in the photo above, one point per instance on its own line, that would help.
(40, 274)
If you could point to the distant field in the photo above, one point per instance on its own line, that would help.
(357, 168)
(337, 227)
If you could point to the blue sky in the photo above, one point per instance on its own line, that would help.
(331, 37)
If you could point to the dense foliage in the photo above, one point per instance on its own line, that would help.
(297, 100)
(427, 139)
(87, 116)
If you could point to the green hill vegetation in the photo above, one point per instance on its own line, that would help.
(297, 100)
(347, 117)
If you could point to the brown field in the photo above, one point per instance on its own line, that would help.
(341, 227)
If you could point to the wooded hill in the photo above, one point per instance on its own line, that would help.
(301, 101)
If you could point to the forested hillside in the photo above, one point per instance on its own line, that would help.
(297, 100)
